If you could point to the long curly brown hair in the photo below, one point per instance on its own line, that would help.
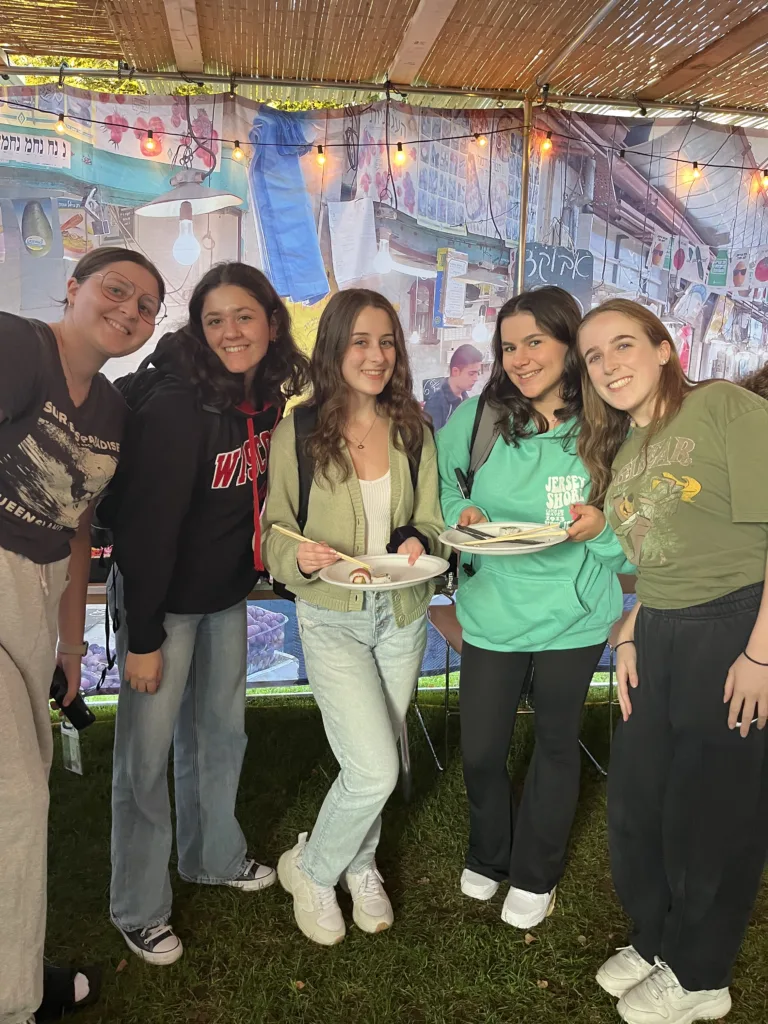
(281, 374)
(325, 444)
(757, 382)
(605, 429)
(557, 314)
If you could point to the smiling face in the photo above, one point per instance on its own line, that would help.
(113, 311)
(624, 365)
(369, 361)
(236, 328)
(533, 360)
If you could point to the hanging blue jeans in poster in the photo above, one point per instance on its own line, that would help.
(282, 205)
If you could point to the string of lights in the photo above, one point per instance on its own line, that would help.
(400, 156)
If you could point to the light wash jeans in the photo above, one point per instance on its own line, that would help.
(200, 708)
(362, 669)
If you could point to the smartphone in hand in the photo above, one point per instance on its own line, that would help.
(78, 712)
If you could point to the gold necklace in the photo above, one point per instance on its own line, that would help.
(359, 444)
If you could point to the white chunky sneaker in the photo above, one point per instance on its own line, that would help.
(625, 969)
(252, 877)
(477, 886)
(661, 999)
(314, 906)
(527, 909)
(158, 945)
(371, 910)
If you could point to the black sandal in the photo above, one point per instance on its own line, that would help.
(59, 991)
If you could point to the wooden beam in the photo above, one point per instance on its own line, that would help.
(739, 40)
(420, 35)
(184, 30)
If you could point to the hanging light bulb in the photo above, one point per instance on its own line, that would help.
(696, 171)
(765, 180)
(547, 143)
(481, 140)
(320, 155)
(237, 153)
(400, 156)
(60, 126)
(415, 338)
(383, 262)
(149, 143)
(186, 248)
(480, 332)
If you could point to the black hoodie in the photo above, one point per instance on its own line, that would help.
(181, 507)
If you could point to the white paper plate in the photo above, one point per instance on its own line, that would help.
(458, 540)
(403, 575)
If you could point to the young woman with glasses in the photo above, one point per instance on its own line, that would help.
(61, 428)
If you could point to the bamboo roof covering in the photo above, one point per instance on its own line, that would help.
(712, 52)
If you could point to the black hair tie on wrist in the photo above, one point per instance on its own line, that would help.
(622, 644)
(762, 664)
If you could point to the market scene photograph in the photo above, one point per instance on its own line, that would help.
(383, 511)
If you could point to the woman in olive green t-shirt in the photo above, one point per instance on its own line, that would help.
(678, 466)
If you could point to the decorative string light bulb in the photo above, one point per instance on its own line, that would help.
(400, 156)
(696, 171)
(60, 126)
(481, 140)
(765, 180)
(237, 153)
(149, 143)
(320, 155)
(547, 143)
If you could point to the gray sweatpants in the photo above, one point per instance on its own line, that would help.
(29, 603)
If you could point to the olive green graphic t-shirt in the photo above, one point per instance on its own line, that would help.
(690, 507)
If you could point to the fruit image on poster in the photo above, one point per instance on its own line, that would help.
(660, 252)
(758, 267)
(36, 224)
(739, 276)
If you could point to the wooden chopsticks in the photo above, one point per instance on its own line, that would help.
(301, 540)
(540, 532)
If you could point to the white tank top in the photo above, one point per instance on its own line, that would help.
(377, 498)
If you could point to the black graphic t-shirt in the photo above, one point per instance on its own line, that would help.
(54, 458)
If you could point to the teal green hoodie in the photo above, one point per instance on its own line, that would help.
(563, 597)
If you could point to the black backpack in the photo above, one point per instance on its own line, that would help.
(304, 420)
(485, 433)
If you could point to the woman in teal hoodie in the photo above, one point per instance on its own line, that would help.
(550, 611)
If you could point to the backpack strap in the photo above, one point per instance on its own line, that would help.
(414, 458)
(304, 420)
(485, 433)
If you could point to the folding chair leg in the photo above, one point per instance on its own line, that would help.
(405, 764)
(427, 737)
(446, 695)
(610, 702)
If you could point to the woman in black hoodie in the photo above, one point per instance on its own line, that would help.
(185, 515)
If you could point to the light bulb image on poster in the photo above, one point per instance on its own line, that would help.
(36, 230)
(186, 248)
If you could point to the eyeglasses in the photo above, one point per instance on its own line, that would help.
(118, 289)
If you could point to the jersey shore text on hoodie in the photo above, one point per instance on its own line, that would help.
(185, 503)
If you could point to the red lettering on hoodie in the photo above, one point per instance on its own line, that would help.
(226, 467)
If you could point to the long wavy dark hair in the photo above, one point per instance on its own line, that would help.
(281, 374)
(325, 444)
(557, 314)
(605, 429)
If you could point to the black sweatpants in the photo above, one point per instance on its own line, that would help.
(490, 688)
(688, 798)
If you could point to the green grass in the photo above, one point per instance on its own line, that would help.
(447, 960)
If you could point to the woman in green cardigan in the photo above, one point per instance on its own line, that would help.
(363, 650)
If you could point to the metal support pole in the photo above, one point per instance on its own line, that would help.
(524, 189)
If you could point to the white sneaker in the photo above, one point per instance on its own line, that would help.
(252, 877)
(527, 909)
(371, 911)
(625, 969)
(477, 886)
(158, 945)
(661, 999)
(314, 906)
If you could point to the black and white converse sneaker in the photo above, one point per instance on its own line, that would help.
(157, 945)
(253, 876)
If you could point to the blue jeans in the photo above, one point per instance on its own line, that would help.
(200, 708)
(362, 669)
